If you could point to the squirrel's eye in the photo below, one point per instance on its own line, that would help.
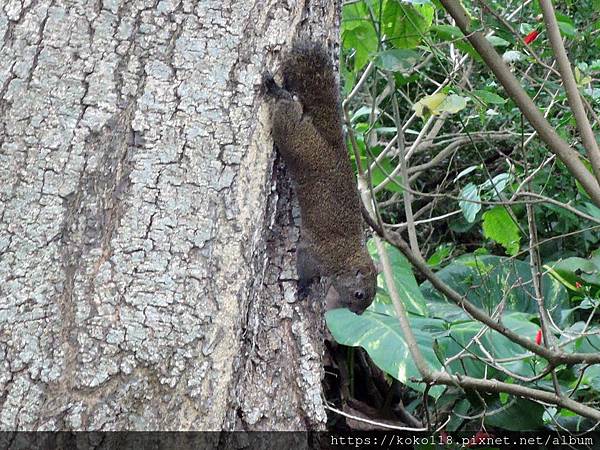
(359, 295)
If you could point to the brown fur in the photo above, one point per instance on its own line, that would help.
(307, 132)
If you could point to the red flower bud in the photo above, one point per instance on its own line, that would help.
(538, 337)
(531, 37)
(444, 437)
(578, 285)
(479, 438)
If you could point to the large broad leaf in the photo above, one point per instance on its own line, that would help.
(517, 415)
(585, 271)
(497, 41)
(497, 345)
(591, 377)
(397, 59)
(444, 335)
(403, 24)
(380, 336)
(567, 29)
(488, 97)
(487, 280)
(363, 39)
(497, 184)
(587, 344)
(499, 226)
(358, 33)
(592, 210)
(405, 282)
(451, 33)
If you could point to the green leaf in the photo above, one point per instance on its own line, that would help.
(499, 227)
(379, 333)
(567, 29)
(587, 344)
(447, 32)
(496, 184)
(380, 336)
(363, 111)
(461, 333)
(363, 39)
(452, 33)
(488, 97)
(487, 280)
(382, 171)
(460, 410)
(397, 60)
(578, 270)
(470, 209)
(592, 210)
(442, 252)
(348, 78)
(526, 28)
(403, 25)
(497, 41)
(358, 33)
(404, 279)
(592, 377)
(518, 415)
(595, 64)
(453, 104)
(354, 14)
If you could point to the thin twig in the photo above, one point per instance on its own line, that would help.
(407, 196)
(371, 422)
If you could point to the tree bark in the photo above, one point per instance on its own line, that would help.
(147, 238)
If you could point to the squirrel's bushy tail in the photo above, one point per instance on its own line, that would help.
(308, 74)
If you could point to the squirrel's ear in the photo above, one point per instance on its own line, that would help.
(362, 273)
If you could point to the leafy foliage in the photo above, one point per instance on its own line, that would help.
(443, 330)
(378, 333)
(499, 226)
(488, 281)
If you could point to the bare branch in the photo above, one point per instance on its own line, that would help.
(406, 195)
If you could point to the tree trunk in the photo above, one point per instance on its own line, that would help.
(146, 236)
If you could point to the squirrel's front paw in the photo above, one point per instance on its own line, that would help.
(303, 289)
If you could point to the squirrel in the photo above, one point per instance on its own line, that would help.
(307, 131)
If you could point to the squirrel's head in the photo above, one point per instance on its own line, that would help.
(353, 289)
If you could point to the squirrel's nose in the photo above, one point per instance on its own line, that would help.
(357, 310)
